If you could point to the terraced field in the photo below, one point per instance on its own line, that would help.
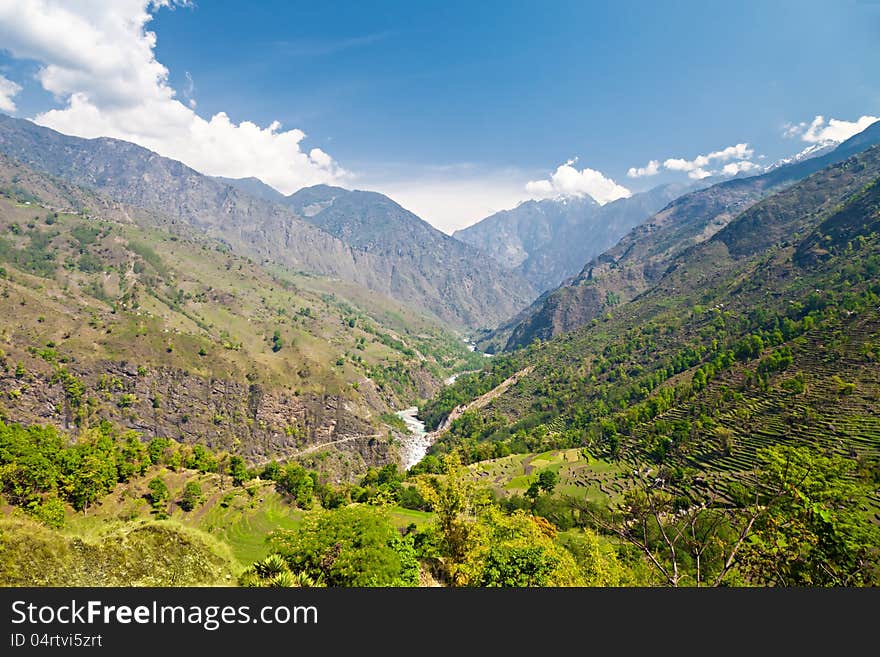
(837, 411)
(579, 474)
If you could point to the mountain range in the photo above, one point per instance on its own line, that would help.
(459, 285)
(642, 256)
(549, 241)
(190, 363)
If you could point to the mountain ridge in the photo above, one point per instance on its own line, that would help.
(548, 241)
(477, 293)
(640, 257)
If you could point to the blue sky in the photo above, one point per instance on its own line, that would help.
(452, 108)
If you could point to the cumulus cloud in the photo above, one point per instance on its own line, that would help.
(8, 89)
(652, 168)
(569, 181)
(99, 62)
(744, 166)
(700, 167)
(833, 131)
(736, 152)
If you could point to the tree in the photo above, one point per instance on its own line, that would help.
(687, 543)
(355, 545)
(547, 480)
(452, 498)
(192, 496)
(201, 459)
(298, 482)
(90, 469)
(156, 449)
(158, 494)
(516, 550)
(814, 532)
(132, 457)
(277, 341)
(272, 470)
(238, 470)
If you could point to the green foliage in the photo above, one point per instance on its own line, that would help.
(547, 480)
(150, 256)
(156, 449)
(814, 532)
(596, 559)
(158, 494)
(84, 234)
(349, 546)
(395, 421)
(49, 511)
(238, 470)
(35, 464)
(201, 459)
(150, 554)
(515, 550)
(273, 572)
(90, 263)
(37, 257)
(277, 341)
(298, 482)
(126, 400)
(192, 496)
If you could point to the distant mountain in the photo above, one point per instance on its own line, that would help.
(641, 257)
(549, 241)
(426, 263)
(472, 292)
(254, 187)
(510, 236)
(814, 150)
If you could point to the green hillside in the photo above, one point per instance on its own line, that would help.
(171, 334)
(765, 335)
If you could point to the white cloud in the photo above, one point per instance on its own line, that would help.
(650, 169)
(700, 167)
(744, 166)
(736, 152)
(569, 181)
(99, 61)
(8, 89)
(833, 131)
(793, 129)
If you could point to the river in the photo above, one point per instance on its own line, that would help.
(416, 444)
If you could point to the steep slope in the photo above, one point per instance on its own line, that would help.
(549, 241)
(172, 335)
(640, 258)
(177, 195)
(253, 186)
(766, 333)
(510, 236)
(427, 264)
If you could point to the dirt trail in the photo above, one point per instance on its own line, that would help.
(313, 448)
